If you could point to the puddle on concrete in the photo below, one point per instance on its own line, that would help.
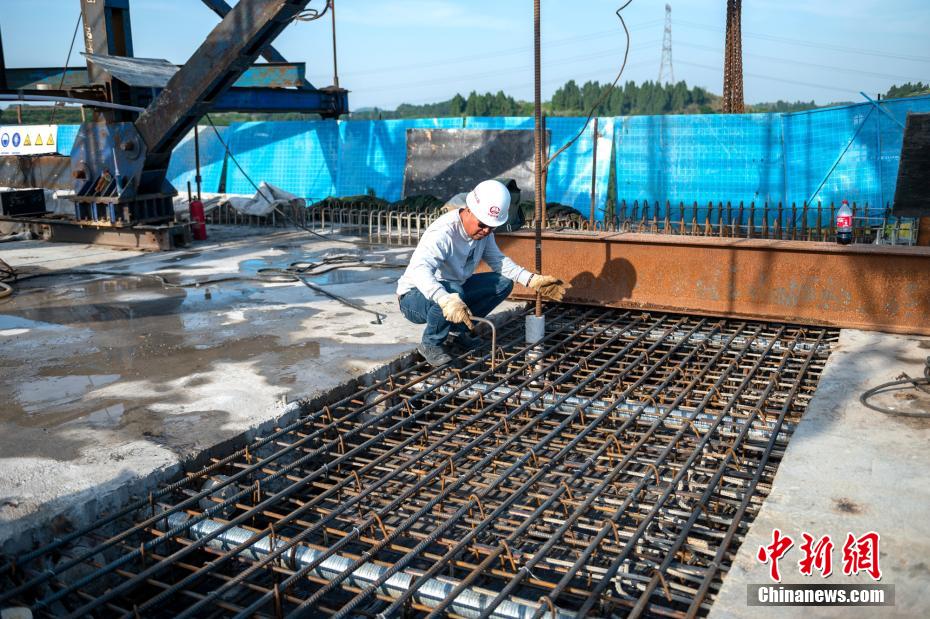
(347, 276)
(131, 355)
(134, 330)
(16, 325)
(106, 417)
(51, 392)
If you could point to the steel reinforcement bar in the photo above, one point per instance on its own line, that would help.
(613, 467)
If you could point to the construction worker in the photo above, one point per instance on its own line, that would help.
(439, 287)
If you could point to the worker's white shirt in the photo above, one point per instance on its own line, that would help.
(446, 253)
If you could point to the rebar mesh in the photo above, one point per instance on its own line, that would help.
(613, 468)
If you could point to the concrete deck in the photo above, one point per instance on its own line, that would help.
(850, 469)
(105, 381)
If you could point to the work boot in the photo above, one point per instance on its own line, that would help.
(434, 355)
(465, 341)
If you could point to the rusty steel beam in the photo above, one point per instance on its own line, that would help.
(230, 48)
(870, 287)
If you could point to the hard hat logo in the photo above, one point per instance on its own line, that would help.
(490, 203)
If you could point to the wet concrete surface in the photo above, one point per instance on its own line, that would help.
(106, 379)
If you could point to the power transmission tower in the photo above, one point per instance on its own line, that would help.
(733, 61)
(667, 47)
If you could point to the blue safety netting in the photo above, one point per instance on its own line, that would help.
(699, 157)
(826, 155)
(569, 179)
(182, 168)
(297, 156)
(66, 135)
(848, 152)
(372, 154)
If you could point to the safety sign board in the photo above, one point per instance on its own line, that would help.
(28, 139)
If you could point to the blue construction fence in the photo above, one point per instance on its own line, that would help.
(825, 155)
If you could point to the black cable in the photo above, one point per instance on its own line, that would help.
(67, 60)
(295, 272)
(605, 94)
(7, 274)
(312, 14)
(293, 221)
(903, 379)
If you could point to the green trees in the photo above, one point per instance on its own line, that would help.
(568, 100)
(647, 98)
(907, 90)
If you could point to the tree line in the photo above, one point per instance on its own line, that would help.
(573, 100)
(569, 100)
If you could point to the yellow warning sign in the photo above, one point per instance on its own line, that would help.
(26, 142)
(50, 141)
(38, 139)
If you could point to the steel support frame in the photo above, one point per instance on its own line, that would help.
(222, 8)
(47, 79)
(870, 287)
(143, 237)
(228, 51)
(107, 30)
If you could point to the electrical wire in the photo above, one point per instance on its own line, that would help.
(903, 379)
(604, 94)
(803, 43)
(67, 61)
(567, 60)
(497, 54)
(312, 14)
(716, 69)
(793, 62)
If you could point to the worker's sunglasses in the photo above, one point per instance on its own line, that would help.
(484, 226)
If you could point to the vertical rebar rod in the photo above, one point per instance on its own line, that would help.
(197, 178)
(538, 143)
(332, 8)
(593, 174)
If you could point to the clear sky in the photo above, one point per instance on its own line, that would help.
(421, 51)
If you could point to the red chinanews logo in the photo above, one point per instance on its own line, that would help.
(494, 211)
(860, 554)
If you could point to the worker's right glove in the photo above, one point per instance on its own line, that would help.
(455, 310)
(549, 286)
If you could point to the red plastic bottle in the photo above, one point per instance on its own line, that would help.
(198, 221)
(844, 229)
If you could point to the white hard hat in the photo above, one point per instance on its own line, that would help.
(490, 202)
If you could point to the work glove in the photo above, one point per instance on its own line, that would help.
(549, 286)
(455, 310)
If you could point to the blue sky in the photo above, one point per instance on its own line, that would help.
(420, 51)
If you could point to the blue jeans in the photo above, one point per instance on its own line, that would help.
(481, 293)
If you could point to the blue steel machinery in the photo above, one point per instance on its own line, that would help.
(144, 107)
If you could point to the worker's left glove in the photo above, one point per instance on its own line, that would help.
(549, 286)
